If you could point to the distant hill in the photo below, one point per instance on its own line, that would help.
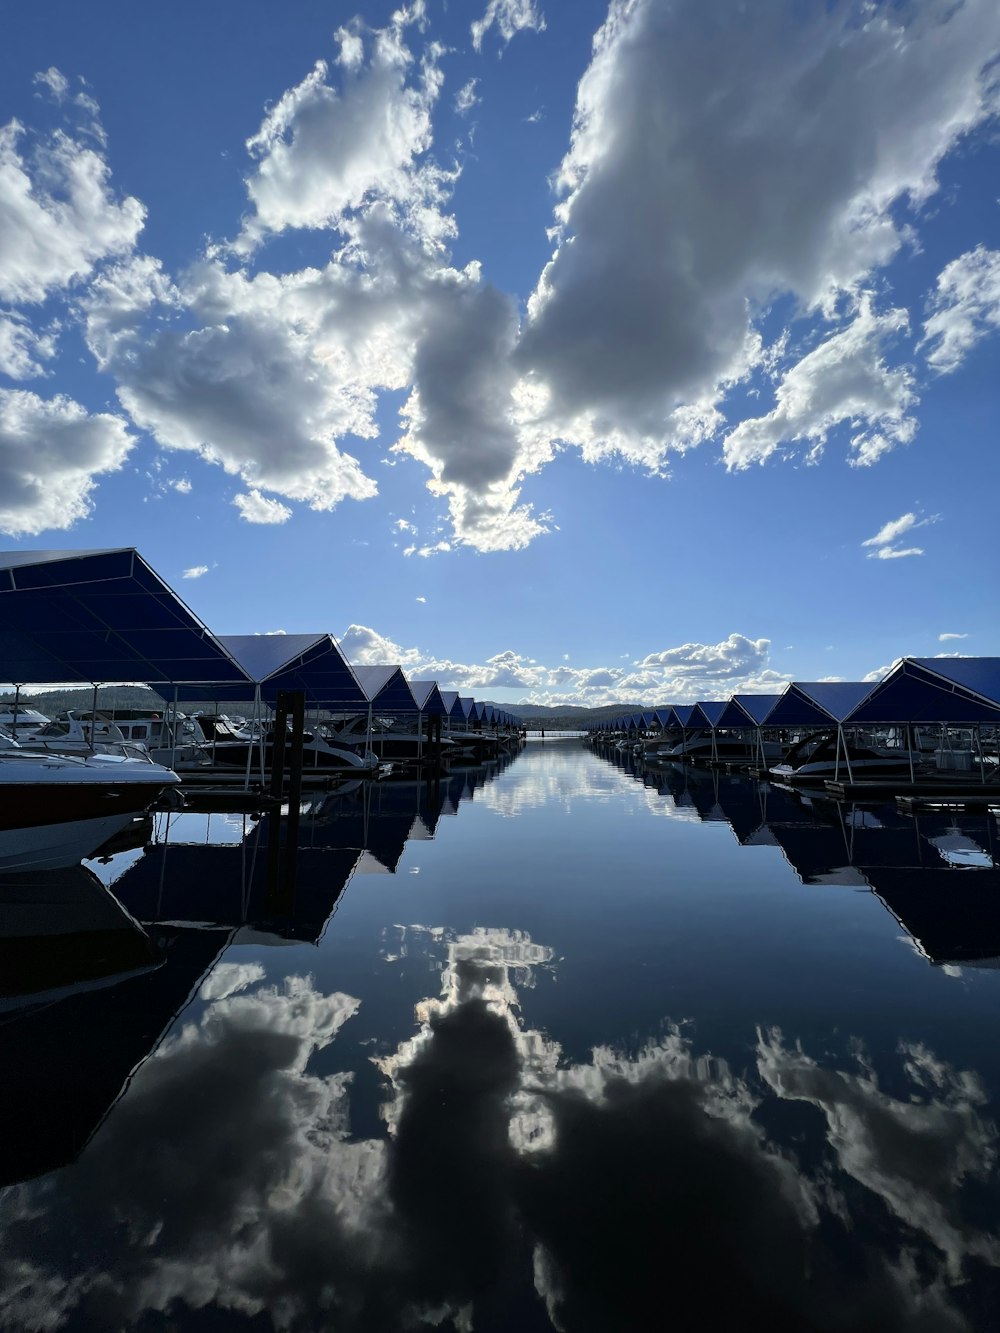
(564, 717)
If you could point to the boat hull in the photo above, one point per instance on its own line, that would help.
(56, 846)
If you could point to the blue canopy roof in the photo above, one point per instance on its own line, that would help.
(321, 671)
(101, 616)
(683, 713)
(711, 711)
(450, 699)
(428, 698)
(981, 675)
(925, 690)
(387, 688)
(744, 709)
(837, 697)
(797, 707)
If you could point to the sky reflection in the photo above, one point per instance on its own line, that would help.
(470, 1108)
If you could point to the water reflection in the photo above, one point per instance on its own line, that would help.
(612, 1188)
(388, 1125)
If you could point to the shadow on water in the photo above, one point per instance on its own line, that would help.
(213, 1178)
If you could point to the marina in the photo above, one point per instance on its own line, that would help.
(335, 999)
(556, 1007)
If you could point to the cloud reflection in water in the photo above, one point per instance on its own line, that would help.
(636, 1186)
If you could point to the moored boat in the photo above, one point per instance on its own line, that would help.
(56, 809)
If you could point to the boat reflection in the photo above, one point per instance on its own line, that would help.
(91, 980)
(936, 871)
(85, 994)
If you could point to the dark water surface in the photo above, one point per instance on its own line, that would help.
(552, 1045)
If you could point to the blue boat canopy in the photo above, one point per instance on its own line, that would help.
(387, 688)
(837, 697)
(100, 617)
(428, 698)
(747, 710)
(711, 711)
(796, 707)
(927, 690)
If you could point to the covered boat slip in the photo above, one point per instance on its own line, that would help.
(933, 722)
(105, 617)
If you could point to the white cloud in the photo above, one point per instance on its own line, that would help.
(943, 638)
(509, 17)
(881, 672)
(367, 647)
(227, 979)
(889, 533)
(257, 508)
(53, 79)
(51, 454)
(58, 217)
(894, 529)
(249, 387)
(23, 349)
(183, 485)
(965, 307)
(321, 152)
(669, 245)
(465, 98)
(421, 599)
(674, 675)
(845, 379)
(895, 552)
(195, 572)
(435, 548)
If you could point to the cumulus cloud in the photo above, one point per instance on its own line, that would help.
(845, 379)
(321, 151)
(246, 387)
(674, 675)
(669, 244)
(509, 17)
(58, 216)
(886, 537)
(51, 455)
(965, 307)
(257, 508)
(367, 647)
(195, 572)
(943, 638)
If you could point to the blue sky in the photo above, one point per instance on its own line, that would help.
(555, 351)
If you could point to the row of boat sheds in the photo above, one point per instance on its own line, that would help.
(103, 617)
(929, 725)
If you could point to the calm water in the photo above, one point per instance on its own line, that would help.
(553, 1045)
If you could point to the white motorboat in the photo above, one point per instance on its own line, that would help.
(56, 809)
(727, 747)
(390, 739)
(22, 722)
(227, 748)
(815, 759)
